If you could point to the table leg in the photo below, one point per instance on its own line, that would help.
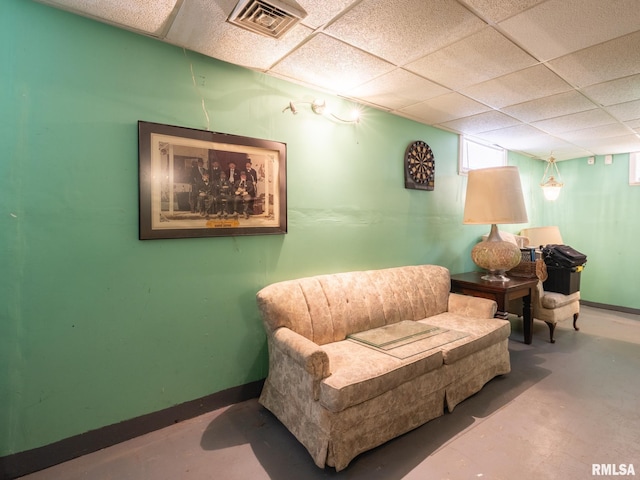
(501, 312)
(527, 317)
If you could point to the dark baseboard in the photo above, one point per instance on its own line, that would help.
(23, 463)
(604, 306)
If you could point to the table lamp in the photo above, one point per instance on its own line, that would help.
(541, 236)
(494, 196)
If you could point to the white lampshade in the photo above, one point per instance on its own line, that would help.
(494, 195)
(542, 236)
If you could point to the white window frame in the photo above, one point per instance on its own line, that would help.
(475, 154)
(634, 168)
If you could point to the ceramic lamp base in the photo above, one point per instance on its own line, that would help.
(496, 256)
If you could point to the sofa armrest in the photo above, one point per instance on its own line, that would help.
(303, 351)
(469, 306)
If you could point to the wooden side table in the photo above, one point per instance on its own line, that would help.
(470, 283)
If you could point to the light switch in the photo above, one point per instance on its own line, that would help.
(608, 159)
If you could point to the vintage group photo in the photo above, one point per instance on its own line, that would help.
(196, 183)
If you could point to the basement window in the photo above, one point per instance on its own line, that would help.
(475, 154)
(634, 168)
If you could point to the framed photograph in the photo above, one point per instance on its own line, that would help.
(197, 183)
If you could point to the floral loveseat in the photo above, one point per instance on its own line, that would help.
(341, 397)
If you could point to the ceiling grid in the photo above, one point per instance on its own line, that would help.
(534, 76)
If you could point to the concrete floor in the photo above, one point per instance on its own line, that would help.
(563, 407)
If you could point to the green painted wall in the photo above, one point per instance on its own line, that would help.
(599, 214)
(96, 326)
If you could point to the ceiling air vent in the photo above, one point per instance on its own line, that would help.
(271, 18)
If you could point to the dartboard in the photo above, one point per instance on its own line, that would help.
(419, 166)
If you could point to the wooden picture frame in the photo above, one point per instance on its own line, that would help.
(177, 200)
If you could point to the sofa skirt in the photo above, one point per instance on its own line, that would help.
(336, 438)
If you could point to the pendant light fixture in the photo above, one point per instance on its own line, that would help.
(551, 184)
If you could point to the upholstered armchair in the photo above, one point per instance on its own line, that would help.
(549, 307)
(552, 307)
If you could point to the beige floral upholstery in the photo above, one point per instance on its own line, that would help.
(340, 397)
(553, 307)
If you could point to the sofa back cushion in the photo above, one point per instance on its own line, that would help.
(327, 308)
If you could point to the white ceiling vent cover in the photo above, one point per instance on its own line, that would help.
(272, 18)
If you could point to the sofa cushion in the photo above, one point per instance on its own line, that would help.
(482, 333)
(359, 373)
(553, 300)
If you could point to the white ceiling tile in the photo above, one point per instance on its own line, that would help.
(481, 122)
(227, 42)
(328, 63)
(608, 61)
(397, 89)
(444, 108)
(147, 16)
(518, 137)
(616, 91)
(559, 27)
(625, 111)
(320, 12)
(600, 132)
(575, 121)
(560, 152)
(635, 124)
(482, 56)
(549, 107)
(605, 146)
(541, 147)
(402, 30)
(495, 11)
(528, 84)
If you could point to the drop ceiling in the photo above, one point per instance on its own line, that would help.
(538, 77)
